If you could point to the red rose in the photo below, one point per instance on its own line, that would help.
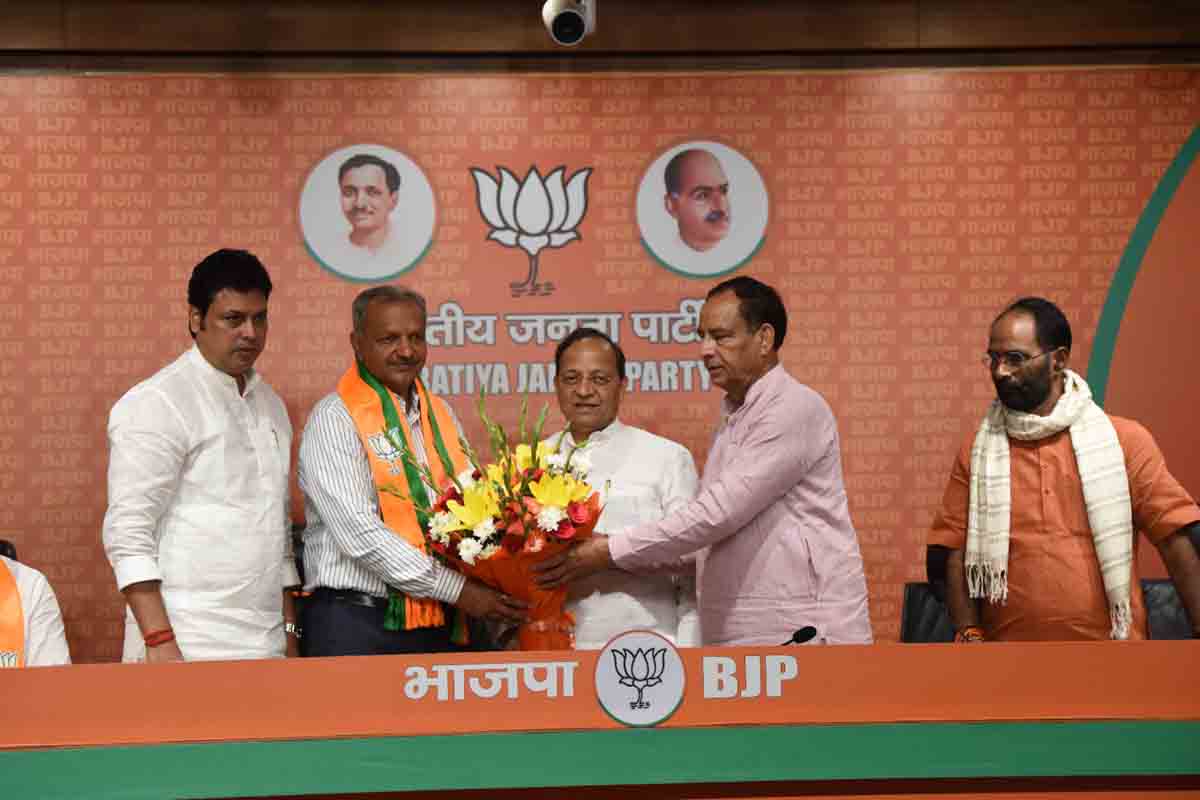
(445, 497)
(578, 513)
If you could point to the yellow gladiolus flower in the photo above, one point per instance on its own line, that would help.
(523, 455)
(495, 474)
(479, 504)
(559, 490)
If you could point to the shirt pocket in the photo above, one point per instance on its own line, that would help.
(789, 571)
(628, 505)
(272, 451)
(1068, 507)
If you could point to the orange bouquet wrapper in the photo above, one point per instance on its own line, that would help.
(496, 521)
(550, 626)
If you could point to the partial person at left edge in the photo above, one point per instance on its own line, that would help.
(197, 528)
(31, 624)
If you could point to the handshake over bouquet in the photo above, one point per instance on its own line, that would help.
(495, 520)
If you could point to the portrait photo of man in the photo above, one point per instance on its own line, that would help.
(369, 189)
(367, 213)
(685, 209)
(698, 198)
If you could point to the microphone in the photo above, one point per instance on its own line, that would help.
(805, 634)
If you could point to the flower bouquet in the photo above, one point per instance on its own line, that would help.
(494, 521)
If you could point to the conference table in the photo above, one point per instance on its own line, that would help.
(889, 720)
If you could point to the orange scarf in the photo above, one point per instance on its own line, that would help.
(12, 621)
(374, 413)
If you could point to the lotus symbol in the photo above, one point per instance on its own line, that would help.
(640, 669)
(532, 214)
(389, 447)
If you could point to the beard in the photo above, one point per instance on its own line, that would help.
(1025, 395)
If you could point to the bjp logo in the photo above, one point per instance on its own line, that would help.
(640, 669)
(640, 678)
(532, 214)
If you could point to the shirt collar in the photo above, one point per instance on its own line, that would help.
(410, 411)
(757, 389)
(602, 436)
(226, 381)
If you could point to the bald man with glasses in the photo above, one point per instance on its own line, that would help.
(1045, 499)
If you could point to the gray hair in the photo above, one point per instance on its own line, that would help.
(383, 294)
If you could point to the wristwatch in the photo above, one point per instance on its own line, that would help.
(292, 629)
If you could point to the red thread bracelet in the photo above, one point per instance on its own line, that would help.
(159, 637)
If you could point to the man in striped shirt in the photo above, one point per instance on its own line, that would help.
(375, 590)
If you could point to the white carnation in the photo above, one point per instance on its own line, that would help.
(484, 529)
(580, 465)
(466, 479)
(469, 549)
(549, 517)
(441, 523)
(556, 461)
(489, 551)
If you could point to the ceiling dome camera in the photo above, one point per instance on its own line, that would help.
(569, 21)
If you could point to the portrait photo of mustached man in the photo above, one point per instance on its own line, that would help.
(697, 197)
(702, 209)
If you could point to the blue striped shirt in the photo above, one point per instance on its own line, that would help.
(346, 543)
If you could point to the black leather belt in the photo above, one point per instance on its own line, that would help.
(350, 596)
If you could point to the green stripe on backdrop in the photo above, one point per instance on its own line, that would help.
(1131, 261)
(606, 758)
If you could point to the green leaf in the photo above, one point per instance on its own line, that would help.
(541, 423)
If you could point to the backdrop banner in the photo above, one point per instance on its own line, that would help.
(896, 211)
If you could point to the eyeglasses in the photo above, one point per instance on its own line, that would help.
(1013, 359)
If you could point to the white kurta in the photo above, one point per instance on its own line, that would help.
(647, 476)
(45, 638)
(198, 498)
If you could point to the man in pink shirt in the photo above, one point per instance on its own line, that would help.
(776, 549)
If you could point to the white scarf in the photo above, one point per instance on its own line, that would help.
(1101, 464)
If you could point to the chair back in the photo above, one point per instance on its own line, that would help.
(923, 617)
(1166, 618)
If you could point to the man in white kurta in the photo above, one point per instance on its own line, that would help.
(197, 528)
(643, 476)
(45, 638)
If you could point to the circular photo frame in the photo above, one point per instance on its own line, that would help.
(702, 209)
(367, 213)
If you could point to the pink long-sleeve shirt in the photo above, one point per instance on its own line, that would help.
(778, 550)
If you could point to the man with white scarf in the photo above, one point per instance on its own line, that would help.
(1044, 499)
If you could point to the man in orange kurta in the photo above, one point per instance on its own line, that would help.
(1055, 589)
